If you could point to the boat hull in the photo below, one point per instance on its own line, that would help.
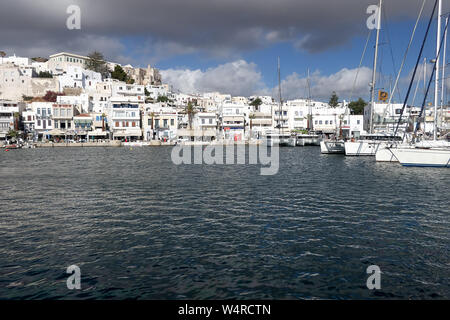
(363, 148)
(385, 154)
(415, 157)
(332, 147)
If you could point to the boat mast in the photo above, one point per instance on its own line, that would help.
(436, 86)
(309, 105)
(374, 75)
(444, 62)
(279, 95)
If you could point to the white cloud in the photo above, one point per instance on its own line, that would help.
(322, 86)
(244, 79)
(236, 78)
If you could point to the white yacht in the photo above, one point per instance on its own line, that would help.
(369, 144)
(422, 157)
(332, 146)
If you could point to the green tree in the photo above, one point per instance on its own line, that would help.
(13, 133)
(146, 92)
(45, 74)
(190, 111)
(357, 107)
(256, 103)
(97, 63)
(119, 74)
(334, 100)
(163, 99)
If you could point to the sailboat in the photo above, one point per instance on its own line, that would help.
(310, 138)
(281, 138)
(368, 145)
(337, 145)
(435, 153)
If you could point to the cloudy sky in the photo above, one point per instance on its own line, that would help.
(228, 45)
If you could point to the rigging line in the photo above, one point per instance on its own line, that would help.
(404, 59)
(388, 35)
(415, 68)
(431, 80)
(412, 104)
(359, 67)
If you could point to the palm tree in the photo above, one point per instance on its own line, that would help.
(190, 111)
(16, 121)
(103, 121)
(152, 115)
(251, 116)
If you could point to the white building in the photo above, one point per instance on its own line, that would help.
(82, 102)
(43, 112)
(234, 118)
(124, 119)
(7, 120)
(78, 77)
(160, 122)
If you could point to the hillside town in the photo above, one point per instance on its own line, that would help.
(69, 98)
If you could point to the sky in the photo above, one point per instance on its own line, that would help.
(232, 46)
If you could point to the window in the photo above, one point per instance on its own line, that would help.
(326, 121)
(133, 124)
(165, 123)
(358, 121)
(117, 124)
(156, 123)
(210, 121)
(320, 121)
(49, 111)
(39, 123)
(49, 122)
(39, 111)
(172, 122)
(203, 121)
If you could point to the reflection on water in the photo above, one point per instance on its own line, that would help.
(140, 227)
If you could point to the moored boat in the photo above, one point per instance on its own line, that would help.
(332, 147)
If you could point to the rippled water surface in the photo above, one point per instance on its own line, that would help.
(140, 227)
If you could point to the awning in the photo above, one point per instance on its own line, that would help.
(55, 132)
(127, 134)
(196, 133)
(98, 133)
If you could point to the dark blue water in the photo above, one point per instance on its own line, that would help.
(140, 227)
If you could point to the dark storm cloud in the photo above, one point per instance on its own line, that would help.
(170, 27)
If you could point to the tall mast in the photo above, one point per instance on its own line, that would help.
(436, 86)
(374, 75)
(444, 62)
(279, 95)
(309, 105)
